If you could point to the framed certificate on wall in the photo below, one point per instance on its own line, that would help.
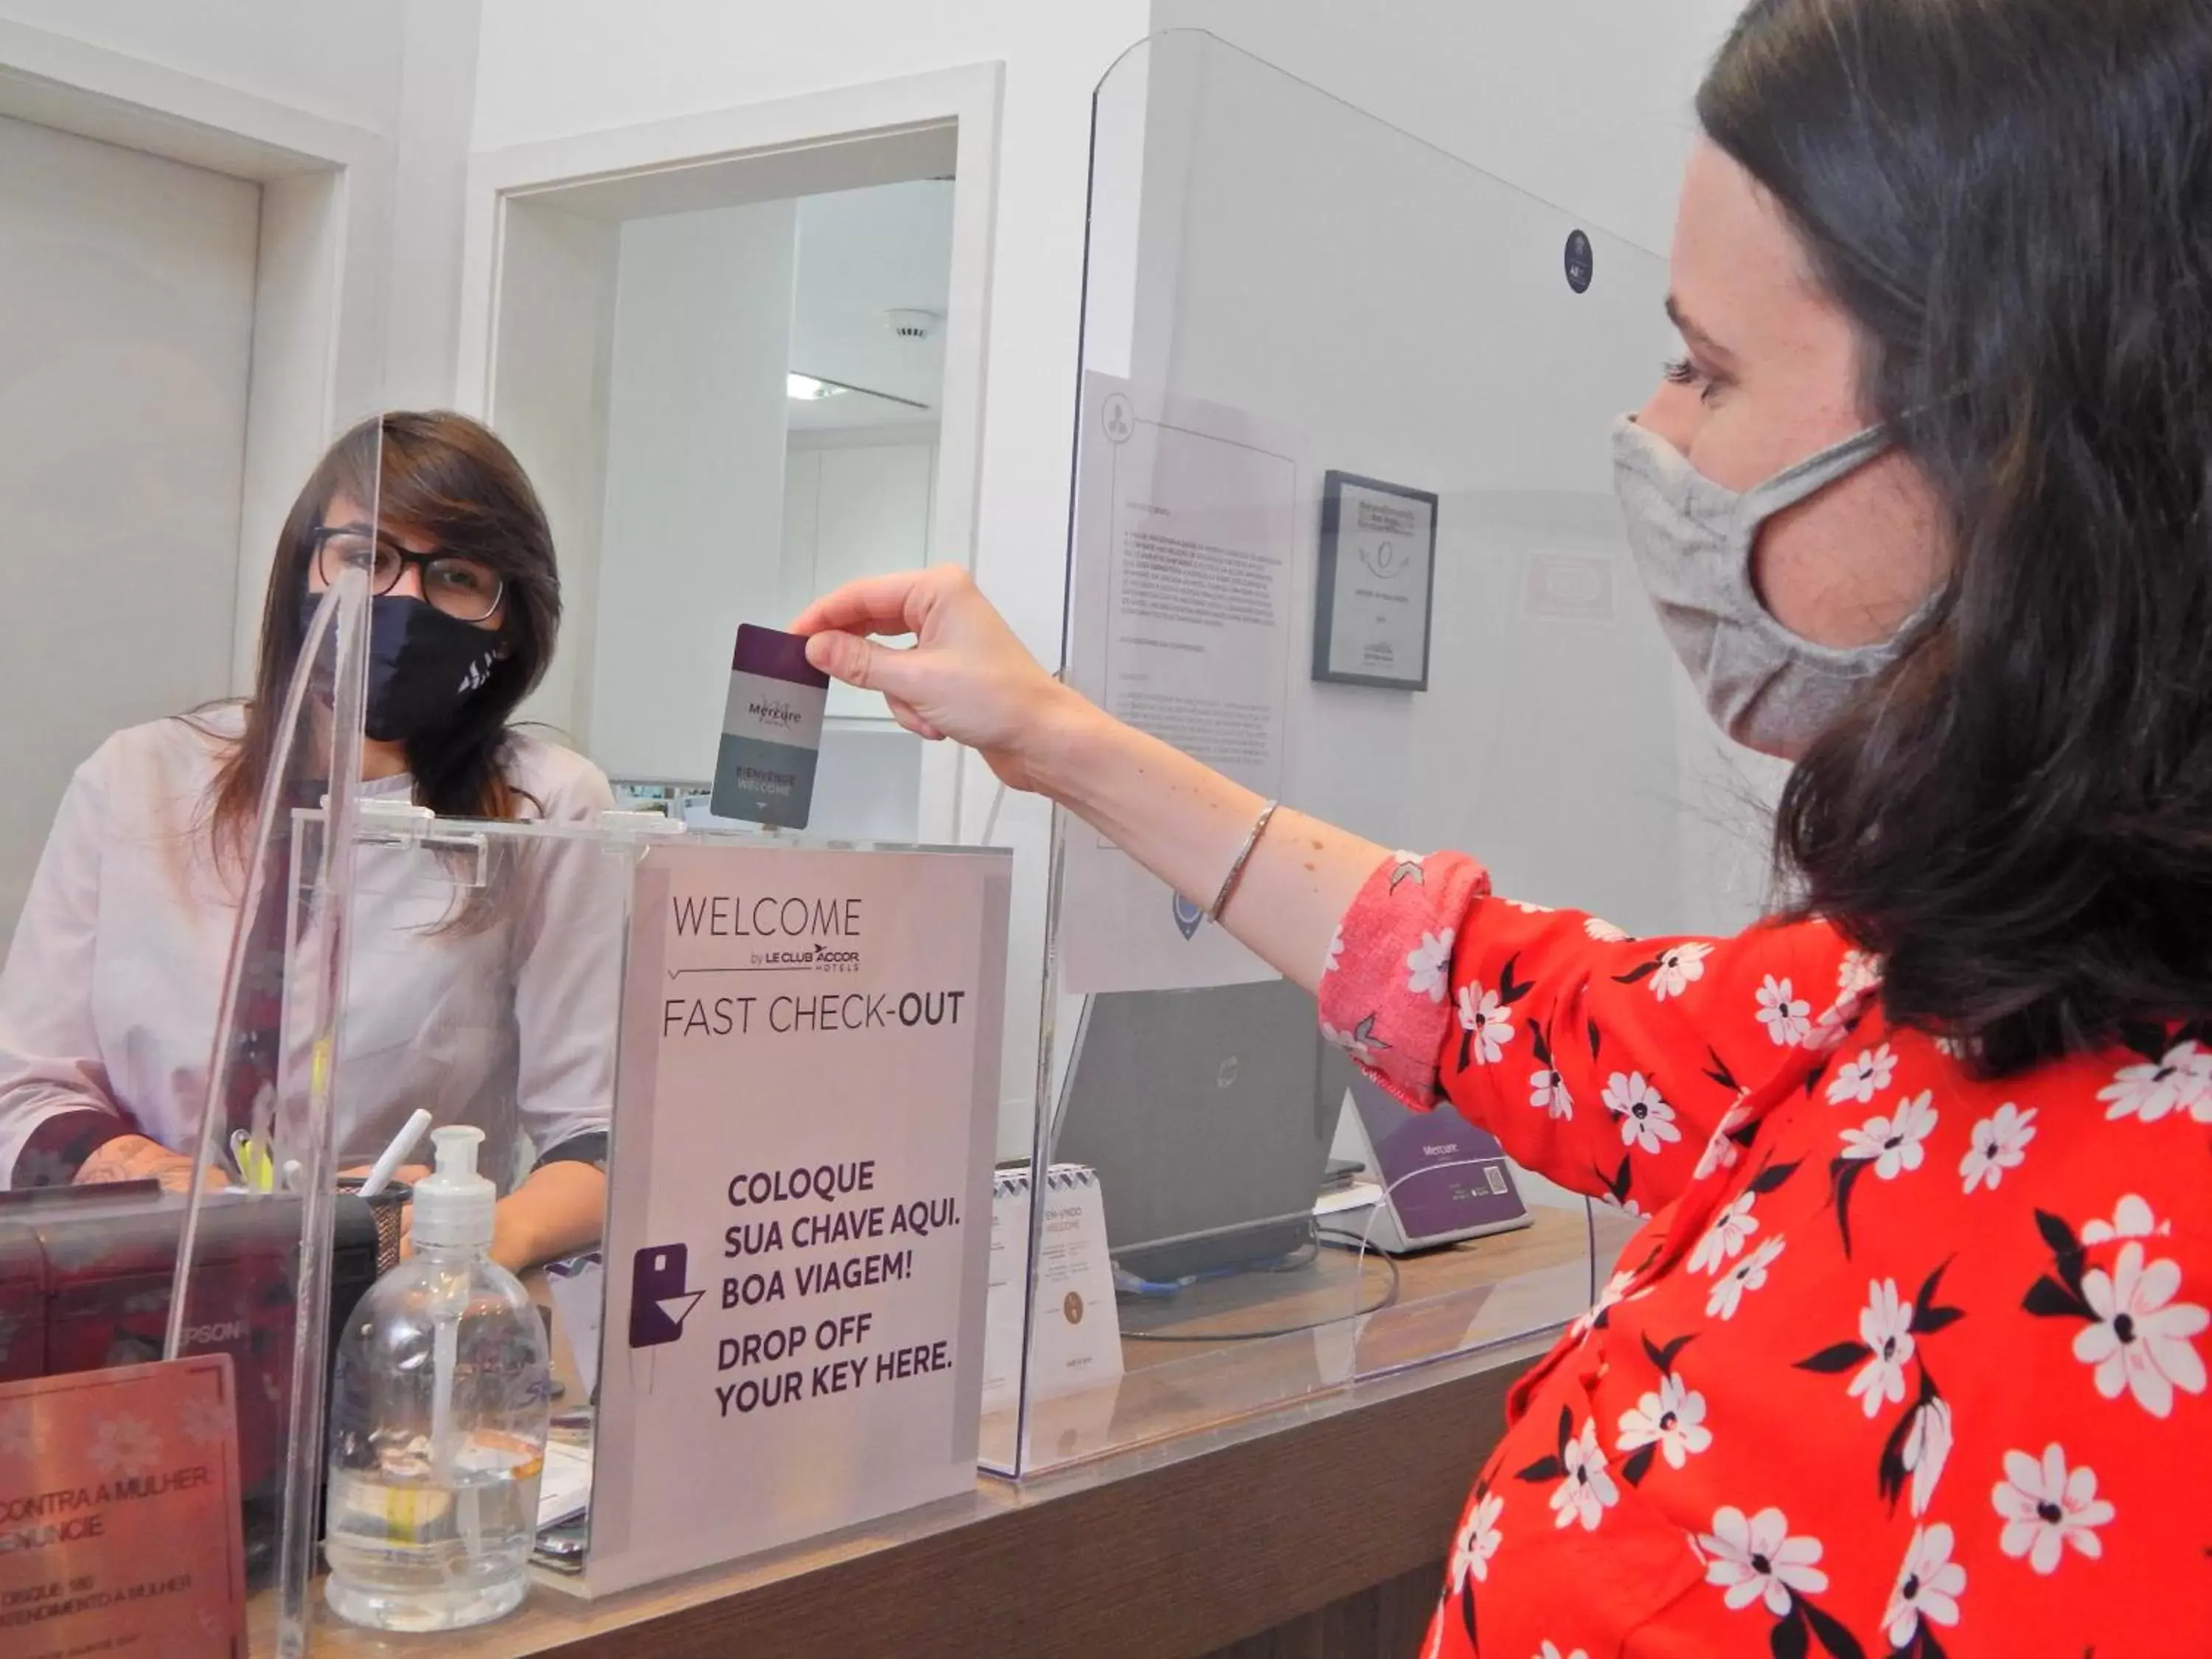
(1372, 598)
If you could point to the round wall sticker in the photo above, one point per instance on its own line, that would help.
(1582, 262)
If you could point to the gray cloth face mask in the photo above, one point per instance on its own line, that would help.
(1767, 688)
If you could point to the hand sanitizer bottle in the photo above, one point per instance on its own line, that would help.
(438, 1422)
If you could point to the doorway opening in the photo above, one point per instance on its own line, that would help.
(741, 374)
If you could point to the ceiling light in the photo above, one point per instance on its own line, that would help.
(811, 388)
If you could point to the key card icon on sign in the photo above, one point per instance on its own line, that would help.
(659, 1303)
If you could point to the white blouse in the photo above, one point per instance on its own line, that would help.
(505, 1019)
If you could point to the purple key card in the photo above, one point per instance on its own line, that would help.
(771, 731)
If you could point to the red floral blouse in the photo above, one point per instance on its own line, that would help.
(1901, 1363)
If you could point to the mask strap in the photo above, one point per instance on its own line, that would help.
(1809, 476)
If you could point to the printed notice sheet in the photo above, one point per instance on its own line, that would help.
(1191, 533)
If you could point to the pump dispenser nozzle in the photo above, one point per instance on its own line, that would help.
(453, 1205)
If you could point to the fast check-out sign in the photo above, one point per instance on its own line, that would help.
(800, 1214)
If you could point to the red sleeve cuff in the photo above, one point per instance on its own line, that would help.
(58, 1146)
(1385, 990)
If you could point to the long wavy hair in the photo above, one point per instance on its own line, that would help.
(445, 480)
(2013, 199)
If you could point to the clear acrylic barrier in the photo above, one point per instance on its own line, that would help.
(257, 1231)
(1279, 288)
(485, 981)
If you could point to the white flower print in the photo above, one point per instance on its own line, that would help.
(1673, 1419)
(18, 1438)
(206, 1421)
(1929, 1586)
(1488, 1020)
(1351, 1041)
(1927, 1449)
(1886, 1326)
(1858, 974)
(2140, 1343)
(1830, 1029)
(1893, 1143)
(1787, 1017)
(1999, 1143)
(2132, 1219)
(1426, 964)
(1604, 932)
(1862, 1079)
(124, 1447)
(1547, 1093)
(2048, 1508)
(1748, 1274)
(1586, 1492)
(1677, 969)
(1724, 1239)
(1720, 1152)
(1614, 1293)
(1478, 1541)
(1755, 1560)
(1335, 953)
(1552, 1651)
(2181, 1082)
(1529, 909)
(1646, 1121)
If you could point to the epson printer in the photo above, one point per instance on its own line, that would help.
(85, 1276)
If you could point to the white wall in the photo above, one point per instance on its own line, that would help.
(395, 83)
(433, 114)
(863, 252)
(109, 281)
(1584, 103)
(334, 56)
(856, 503)
(693, 538)
(548, 67)
(126, 323)
(554, 376)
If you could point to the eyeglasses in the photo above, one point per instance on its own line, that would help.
(467, 589)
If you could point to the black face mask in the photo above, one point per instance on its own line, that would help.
(422, 665)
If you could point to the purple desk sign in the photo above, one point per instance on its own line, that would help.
(771, 731)
(1445, 1179)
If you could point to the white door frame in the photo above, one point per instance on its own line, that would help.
(318, 333)
(834, 139)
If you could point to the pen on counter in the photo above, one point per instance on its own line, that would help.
(380, 1174)
(256, 1168)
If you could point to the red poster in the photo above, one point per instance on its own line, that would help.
(119, 1529)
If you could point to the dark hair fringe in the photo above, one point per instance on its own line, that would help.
(2013, 201)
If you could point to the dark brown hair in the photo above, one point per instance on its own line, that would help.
(445, 481)
(2013, 199)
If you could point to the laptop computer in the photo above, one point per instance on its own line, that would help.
(1203, 1114)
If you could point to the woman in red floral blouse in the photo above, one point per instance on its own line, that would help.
(1910, 1357)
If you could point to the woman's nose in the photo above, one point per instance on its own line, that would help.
(1673, 414)
(409, 583)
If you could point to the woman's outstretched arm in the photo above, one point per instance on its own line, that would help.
(967, 678)
(1610, 1065)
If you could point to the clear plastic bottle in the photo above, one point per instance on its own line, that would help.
(438, 1422)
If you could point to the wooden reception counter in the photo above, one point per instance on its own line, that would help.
(1314, 1527)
